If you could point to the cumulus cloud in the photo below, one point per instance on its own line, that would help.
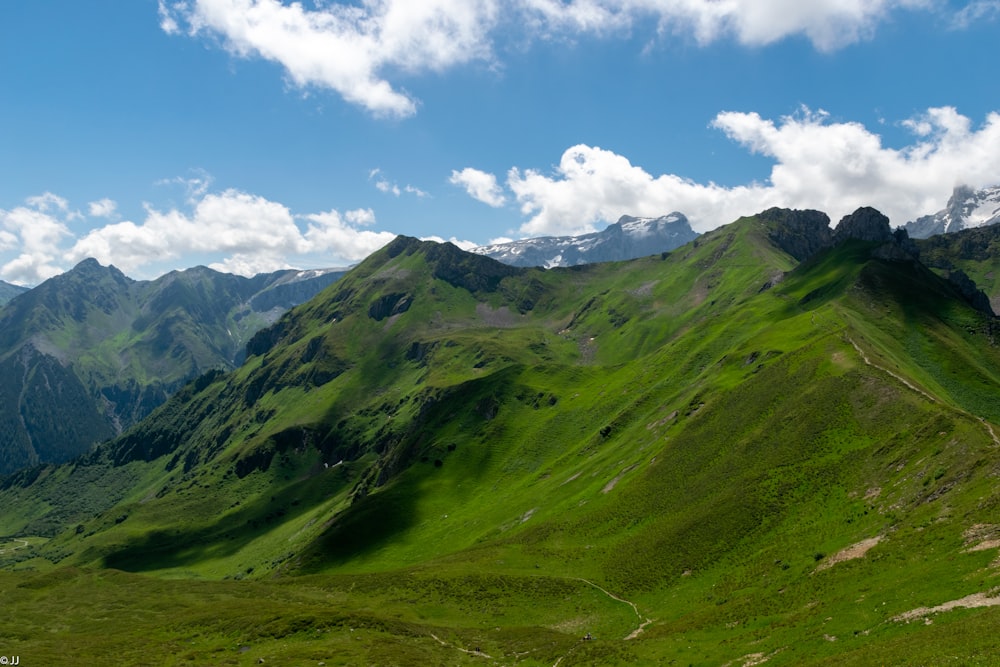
(36, 231)
(354, 48)
(102, 208)
(254, 233)
(248, 233)
(480, 185)
(345, 47)
(337, 234)
(834, 167)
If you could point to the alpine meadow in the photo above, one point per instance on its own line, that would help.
(777, 443)
(500, 333)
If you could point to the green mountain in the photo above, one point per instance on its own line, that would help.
(774, 444)
(90, 352)
(8, 291)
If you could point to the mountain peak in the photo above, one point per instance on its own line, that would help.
(869, 224)
(91, 268)
(865, 224)
(966, 208)
(800, 233)
(628, 238)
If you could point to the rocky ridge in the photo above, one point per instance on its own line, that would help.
(629, 238)
(967, 208)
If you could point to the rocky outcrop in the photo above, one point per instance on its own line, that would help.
(865, 224)
(799, 233)
(970, 291)
(870, 225)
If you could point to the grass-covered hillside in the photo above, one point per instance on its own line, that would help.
(748, 450)
(90, 352)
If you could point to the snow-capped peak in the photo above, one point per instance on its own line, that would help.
(966, 208)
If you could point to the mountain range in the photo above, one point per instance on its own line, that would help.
(90, 352)
(628, 238)
(967, 208)
(9, 291)
(776, 443)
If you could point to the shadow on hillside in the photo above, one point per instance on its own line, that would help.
(368, 525)
(180, 547)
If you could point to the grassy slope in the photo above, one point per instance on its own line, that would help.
(661, 430)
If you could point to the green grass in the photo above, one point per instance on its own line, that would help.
(670, 433)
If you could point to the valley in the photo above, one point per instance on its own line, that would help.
(774, 445)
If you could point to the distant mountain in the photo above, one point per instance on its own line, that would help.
(8, 291)
(629, 238)
(88, 353)
(966, 209)
(725, 454)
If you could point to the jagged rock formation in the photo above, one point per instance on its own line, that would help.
(869, 224)
(799, 233)
(967, 208)
(865, 224)
(628, 238)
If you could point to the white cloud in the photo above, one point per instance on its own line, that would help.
(47, 201)
(195, 187)
(254, 233)
(102, 208)
(480, 185)
(834, 167)
(362, 217)
(331, 232)
(345, 47)
(243, 233)
(354, 48)
(37, 230)
(464, 245)
(390, 188)
(978, 11)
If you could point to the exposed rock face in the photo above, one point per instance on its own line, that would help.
(967, 208)
(865, 224)
(970, 291)
(799, 233)
(869, 224)
(628, 238)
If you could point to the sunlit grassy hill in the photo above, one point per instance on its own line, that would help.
(760, 446)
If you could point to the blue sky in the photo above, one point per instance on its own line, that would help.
(252, 135)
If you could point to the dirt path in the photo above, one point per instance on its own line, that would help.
(989, 429)
(990, 599)
(643, 622)
(887, 371)
(474, 652)
(24, 544)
